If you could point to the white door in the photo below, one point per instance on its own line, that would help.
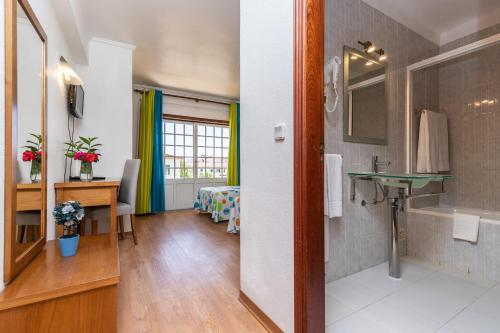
(195, 156)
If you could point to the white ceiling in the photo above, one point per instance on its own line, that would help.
(194, 44)
(183, 44)
(441, 21)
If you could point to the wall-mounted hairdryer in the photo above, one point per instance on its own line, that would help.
(332, 69)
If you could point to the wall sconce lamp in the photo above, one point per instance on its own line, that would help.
(368, 46)
(68, 73)
(381, 54)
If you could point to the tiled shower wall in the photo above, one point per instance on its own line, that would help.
(358, 239)
(474, 161)
(474, 131)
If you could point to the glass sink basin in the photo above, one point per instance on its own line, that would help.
(401, 180)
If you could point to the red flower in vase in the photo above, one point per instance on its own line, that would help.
(90, 158)
(87, 157)
(28, 156)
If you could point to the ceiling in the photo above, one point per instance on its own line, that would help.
(441, 21)
(194, 44)
(183, 44)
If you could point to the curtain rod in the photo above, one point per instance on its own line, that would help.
(186, 97)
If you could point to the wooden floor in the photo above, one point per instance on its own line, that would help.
(183, 276)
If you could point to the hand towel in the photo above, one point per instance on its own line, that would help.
(432, 153)
(466, 227)
(333, 185)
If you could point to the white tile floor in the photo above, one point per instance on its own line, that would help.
(423, 300)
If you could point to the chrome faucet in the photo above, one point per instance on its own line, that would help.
(376, 164)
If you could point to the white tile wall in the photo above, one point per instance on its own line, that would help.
(358, 240)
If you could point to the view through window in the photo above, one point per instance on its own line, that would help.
(195, 150)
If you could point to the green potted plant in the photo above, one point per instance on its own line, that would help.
(69, 214)
(86, 151)
(33, 154)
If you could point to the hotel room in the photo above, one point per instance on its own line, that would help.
(249, 166)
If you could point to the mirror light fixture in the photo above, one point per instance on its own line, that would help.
(381, 54)
(368, 46)
(484, 102)
(68, 73)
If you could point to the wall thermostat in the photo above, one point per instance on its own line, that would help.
(279, 132)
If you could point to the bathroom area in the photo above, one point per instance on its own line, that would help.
(412, 167)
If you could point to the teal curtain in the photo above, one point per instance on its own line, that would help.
(233, 173)
(158, 178)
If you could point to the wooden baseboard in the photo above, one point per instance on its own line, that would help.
(259, 314)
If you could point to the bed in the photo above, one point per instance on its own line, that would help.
(217, 201)
(233, 227)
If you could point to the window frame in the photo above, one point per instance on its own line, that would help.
(196, 123)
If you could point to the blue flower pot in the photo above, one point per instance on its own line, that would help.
(68, 246)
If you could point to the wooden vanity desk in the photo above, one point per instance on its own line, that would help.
(73, 294)
(90, 194)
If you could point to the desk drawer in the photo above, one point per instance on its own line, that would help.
(29, 200)
(87, 196)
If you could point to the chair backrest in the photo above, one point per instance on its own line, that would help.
(128, 184)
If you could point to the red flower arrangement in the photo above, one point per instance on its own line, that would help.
(33, 150)
(84, 150)
(29, 156)
(87, 157)
(33, 154)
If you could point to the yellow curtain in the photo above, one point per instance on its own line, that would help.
(233, 161)
(146, 129)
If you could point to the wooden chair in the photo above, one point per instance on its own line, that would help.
(28, 226)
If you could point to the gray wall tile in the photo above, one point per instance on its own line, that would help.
(359, 239)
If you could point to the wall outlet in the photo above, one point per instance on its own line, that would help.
(402, 235)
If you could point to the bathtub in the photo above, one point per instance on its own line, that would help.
(429, 237)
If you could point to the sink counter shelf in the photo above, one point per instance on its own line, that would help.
(401, 180)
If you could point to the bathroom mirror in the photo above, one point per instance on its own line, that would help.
(25, 148)
(365, 102)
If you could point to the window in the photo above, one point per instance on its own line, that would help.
(179, 150)
(195, 150)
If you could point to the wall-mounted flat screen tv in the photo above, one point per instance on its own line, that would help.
(76, 97)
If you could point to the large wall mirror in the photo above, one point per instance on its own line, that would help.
(365, 102)
(25, 146)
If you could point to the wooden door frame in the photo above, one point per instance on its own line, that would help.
(309, 266)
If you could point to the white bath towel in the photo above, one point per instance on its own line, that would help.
(466, 227)
(432, 154)
(333, 185)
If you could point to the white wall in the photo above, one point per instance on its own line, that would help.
(191, 108)
(108, 105)
(266, 166)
